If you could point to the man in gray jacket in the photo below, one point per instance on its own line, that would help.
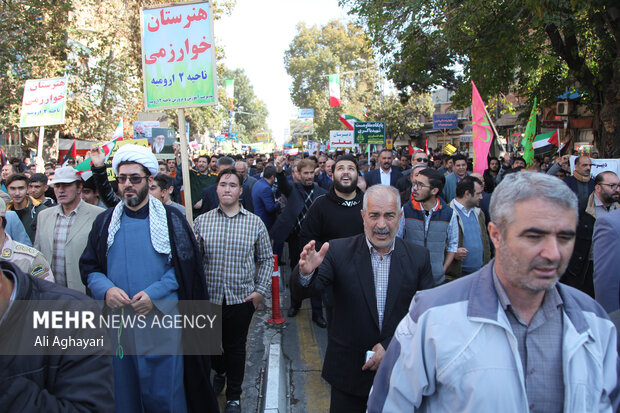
(509, 337)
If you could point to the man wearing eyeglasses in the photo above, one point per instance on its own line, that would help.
(603, 199)
(428, 221)
(62, 230)
(141, 254)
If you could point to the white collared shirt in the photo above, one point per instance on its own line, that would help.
(385, 176)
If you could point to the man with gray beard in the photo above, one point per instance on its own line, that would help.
(372, 291)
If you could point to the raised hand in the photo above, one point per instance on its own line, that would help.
(96, 156)
(310, 259)
(279, 163)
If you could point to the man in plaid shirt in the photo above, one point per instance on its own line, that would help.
(238, 263)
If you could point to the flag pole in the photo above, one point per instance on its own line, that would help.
(185, 168)
(490, 121)
(39, 160)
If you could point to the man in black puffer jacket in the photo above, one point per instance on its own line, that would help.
(47, 380)
(336, 214)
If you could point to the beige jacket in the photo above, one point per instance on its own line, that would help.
(76, 240)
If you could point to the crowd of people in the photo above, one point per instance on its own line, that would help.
(438, 286)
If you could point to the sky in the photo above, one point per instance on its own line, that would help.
(254, 38)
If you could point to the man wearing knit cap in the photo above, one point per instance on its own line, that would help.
(169, 267)
(62, 230)
(335, 215)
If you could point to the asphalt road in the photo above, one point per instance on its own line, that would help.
(303, 346)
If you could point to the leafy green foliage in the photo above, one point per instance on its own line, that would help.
(538, 47)
(97, 44)
(316, 52)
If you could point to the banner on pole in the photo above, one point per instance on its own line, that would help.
(44, 102)
(178, 56)
(306, 114)
(341, 139)
(369, 132)
(301, 127)
(445, 121)
(482, 134)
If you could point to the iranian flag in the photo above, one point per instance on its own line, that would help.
(334, 90)
(546, 142)
(83, 168)
(348, 121)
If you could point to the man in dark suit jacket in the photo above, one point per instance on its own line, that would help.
(364, 316)
(374, 176)
(581, 182)
(300, 195)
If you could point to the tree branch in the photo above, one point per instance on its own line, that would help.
(567, 49)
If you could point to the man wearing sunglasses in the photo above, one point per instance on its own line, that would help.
(140, 255)
(418, 157)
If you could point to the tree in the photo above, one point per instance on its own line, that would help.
(250, 113)
(541, 48)
(97, 44)
(401, 119)
(316, 52)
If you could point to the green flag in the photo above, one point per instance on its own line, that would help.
(530, 132)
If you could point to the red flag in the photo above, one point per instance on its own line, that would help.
(483, 134)
(410, 150)
(3, 158)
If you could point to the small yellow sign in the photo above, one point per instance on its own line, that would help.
(389, 143)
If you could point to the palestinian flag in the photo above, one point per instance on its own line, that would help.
(72, 154)
(348, 121)
(3, 158)
(334, 90)
(564, 146)
(84, 167)
(546, 142)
